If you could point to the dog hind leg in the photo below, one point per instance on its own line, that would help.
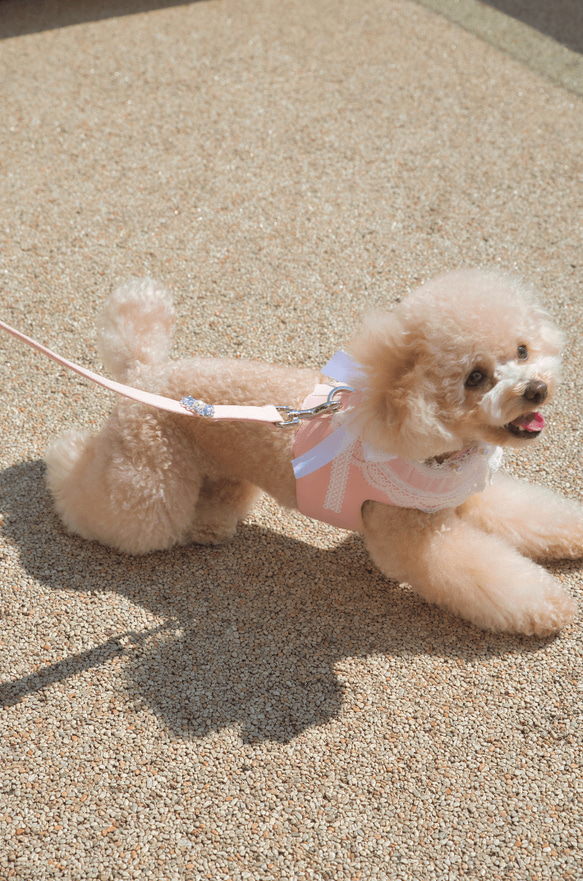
(221, 505)
(104, 494)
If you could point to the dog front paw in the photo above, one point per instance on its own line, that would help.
(566, 543)
(536, 521)
(554, 610)
(541, 613)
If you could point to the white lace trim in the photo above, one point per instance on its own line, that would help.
(339, 472)
(414, 484)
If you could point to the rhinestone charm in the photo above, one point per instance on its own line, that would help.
(199, 407)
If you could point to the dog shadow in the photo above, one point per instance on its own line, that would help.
(252, 633)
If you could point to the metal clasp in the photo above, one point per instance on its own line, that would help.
(292, 416)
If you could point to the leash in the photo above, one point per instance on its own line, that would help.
(188, 406)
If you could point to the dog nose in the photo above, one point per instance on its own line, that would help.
(536, 391)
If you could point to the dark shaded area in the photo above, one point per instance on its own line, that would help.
(18, 17)
(251, 632)
(562, 20)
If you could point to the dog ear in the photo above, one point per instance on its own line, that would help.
(400, 411)
(551, 336)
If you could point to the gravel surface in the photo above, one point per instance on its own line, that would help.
(273, 709)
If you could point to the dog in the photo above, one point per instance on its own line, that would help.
(457, 370)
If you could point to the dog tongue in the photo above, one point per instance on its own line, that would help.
(530, 422)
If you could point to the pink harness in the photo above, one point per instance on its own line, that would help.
(335, 472)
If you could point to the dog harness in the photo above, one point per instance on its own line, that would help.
(336, 472)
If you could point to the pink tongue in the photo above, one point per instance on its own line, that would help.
(531, 422)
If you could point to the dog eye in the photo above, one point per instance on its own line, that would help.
(475, 378)
(522, 353)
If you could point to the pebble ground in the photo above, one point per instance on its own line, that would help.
(274, 709)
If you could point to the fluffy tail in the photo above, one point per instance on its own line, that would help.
(136, 327)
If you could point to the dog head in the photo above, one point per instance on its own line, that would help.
(467, 358)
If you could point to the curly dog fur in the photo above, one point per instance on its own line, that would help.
(467, 358)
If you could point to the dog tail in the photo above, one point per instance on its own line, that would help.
(136, 327)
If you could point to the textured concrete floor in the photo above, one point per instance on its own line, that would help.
(273, 709)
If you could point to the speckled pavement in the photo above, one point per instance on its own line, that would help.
(273, 709)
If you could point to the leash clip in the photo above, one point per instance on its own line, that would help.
(292, 416)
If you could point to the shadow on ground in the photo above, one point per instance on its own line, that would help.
(251, 633)
(562, 20)
(18, 17)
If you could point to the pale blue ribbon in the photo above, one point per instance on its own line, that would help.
(343, 369)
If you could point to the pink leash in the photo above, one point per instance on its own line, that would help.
(188, 406)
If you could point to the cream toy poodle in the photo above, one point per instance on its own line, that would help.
(455, 372)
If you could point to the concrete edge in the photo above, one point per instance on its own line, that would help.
(523, 43)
